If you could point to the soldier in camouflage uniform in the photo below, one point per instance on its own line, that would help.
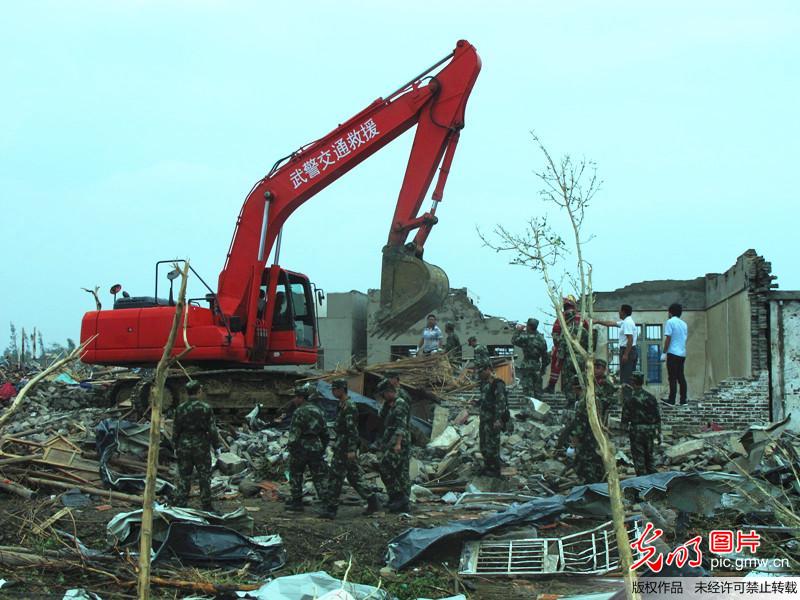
(588, 463)
(642, 419)
(480, 352)
(534, 357)
(308, 438)
(575, 326)
(395, 448)
(453, 345)
(345, 456)
(494, 417)
(193, 434)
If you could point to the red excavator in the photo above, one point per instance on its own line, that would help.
(263, 314)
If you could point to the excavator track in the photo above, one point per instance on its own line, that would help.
(231, 391)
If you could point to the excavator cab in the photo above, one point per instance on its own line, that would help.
(410, 287)
(286, 325)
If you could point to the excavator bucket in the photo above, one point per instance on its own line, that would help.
(410, 289)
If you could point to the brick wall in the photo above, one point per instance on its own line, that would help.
(735, 403)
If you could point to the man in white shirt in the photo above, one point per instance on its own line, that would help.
(628, 340)
(676, 333)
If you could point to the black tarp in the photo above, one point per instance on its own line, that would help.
(214, 545)
(696, 492)
(106, 435)
(407, 546)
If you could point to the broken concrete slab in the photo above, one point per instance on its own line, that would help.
(229, 463)
(414, 469)
(538, 409)
(445, 441)
(680, 451)
(440, 421)
(553, 466)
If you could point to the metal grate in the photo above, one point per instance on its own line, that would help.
(591, 552)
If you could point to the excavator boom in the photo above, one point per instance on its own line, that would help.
(264, 314)
(436, 104)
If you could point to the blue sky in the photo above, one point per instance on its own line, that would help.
(131, 132)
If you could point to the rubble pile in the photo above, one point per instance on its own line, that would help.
(433, 374)
(43, 415)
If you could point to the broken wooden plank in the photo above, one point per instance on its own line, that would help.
(42, 529)
(86, 489)
(15, 488)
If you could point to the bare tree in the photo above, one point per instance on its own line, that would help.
(156, 404)
(571, 185)
(12, 351)
(93, 292)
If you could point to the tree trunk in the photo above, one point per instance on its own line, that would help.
(608, 454)
(156, 403)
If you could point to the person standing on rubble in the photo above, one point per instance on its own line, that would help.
(642, 419)
(193, 434)
(395, 448)
(588, 463)
(431, 337)
(308, 439)
(628, 342)
(345, 456)
(494, 417)
(675, 335)
(453, 345)
(534, 357)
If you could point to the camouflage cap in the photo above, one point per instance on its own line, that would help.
(391, 374)
(600, 362)
(483, 364)
(193, 386)
(637, 377)
(339, 384)
(472, 338)
(385, 386)
(302, 390)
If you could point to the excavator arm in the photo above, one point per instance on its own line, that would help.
(409, 287)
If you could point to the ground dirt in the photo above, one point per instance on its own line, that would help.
(311, 544)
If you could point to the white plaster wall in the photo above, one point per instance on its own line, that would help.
(786, 358)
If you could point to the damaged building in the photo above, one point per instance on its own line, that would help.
(743, 360)
(346, 338)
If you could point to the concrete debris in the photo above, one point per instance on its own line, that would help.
(538, 409)
(445, 441)
(440, 416)
(229, 463)
(680, 451)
